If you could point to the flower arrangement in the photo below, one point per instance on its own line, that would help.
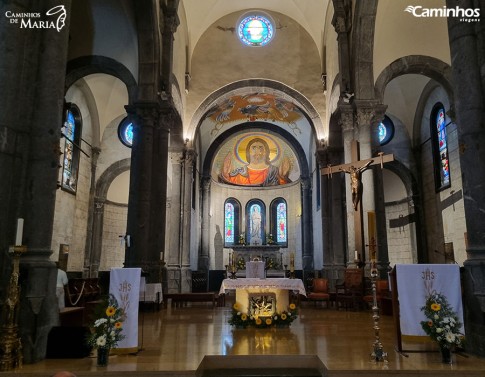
(270, 264)
(269, 238)
(241, 264)
(283, 319)
(241, 239)
(442, 323)
(107, 328)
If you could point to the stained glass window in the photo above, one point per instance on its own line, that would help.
(440, 148)
(125, 132)
(231, 222)
(279, 219)
(72, 136)
(385, 131)
(255, 30)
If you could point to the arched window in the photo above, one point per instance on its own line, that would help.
(279, 222)
(255, 222)
(125, 132)
(386, 130)
(232, 210)
(72, 141)
(439, 142)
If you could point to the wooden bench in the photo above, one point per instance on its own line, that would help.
(71, 316)
(180, 299)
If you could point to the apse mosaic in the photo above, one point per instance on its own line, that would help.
(254, 107)
(255, 159)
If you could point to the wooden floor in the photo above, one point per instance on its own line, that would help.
(174, 341)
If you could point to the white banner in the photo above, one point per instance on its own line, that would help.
(124, 284)
(415, 282)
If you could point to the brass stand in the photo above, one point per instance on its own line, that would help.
(378, 353)
(10, 343)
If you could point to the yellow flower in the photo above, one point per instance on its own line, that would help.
(244, 317)
(283, 316)
(110, 311)
(258, 321)
(435, 307)
(292, 306)
(268, 321)
(235, 306)
(118, 325)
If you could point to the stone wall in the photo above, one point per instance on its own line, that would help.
(114, 225)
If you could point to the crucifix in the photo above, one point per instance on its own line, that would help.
(355, 169)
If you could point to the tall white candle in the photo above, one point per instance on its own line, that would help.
(20, 232)
(356, 255)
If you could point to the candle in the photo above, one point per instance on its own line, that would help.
(20, 231)
(356, 255)
(292, 262)
(230, 259)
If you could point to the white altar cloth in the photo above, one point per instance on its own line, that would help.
(277, 286)
(255, 269)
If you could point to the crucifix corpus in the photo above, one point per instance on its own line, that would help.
(355, 169)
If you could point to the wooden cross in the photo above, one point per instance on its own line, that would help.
(355, 169)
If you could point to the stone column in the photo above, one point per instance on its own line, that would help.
(186, 214)
(148, 187)
(174, 227)
(306, 224)
(205, 226)
(468, 70)
(91, 218)
(32, 72)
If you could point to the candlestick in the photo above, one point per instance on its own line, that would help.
(20, 231)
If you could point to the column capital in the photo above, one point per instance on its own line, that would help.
(190, 155)
(369, 112)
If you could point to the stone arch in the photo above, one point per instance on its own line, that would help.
(417, 64)
(93, 254)
(256, 84)
(87, 65)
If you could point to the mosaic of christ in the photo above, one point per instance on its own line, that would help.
(255, 159)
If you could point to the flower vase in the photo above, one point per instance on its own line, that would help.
(445, 355)
(103, 357)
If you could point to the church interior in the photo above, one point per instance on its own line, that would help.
(197, 139)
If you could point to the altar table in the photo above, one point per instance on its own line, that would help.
(151, 292)
(280, 287)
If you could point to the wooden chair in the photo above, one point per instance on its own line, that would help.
(319, 291)
(382, 291)
(349, 294)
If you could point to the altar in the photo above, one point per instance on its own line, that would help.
(263, 296)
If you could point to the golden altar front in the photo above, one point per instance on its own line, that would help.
(263, 295)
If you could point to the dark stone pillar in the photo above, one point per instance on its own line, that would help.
(306, 224)
(468, 70)
(30, 125)
(148, 187)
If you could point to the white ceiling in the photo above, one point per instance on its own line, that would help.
(310, 14)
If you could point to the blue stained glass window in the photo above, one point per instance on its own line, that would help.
(281, 223)
(229, 223)
(443, 147)
(385, 131)
(72, 141)
(125, 132)
(255, 30)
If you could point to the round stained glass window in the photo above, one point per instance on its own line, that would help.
(125, 132)
(385, 131)
(255, 30)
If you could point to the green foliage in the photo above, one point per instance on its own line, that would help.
(442, 325)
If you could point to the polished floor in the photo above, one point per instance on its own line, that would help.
(176, 340)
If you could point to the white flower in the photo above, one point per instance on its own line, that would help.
(275, 317)
(436, 316)
(450, 337)
(100, 322)
(238, 313)
(439, 330)
(446, 320)
(101, 341)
